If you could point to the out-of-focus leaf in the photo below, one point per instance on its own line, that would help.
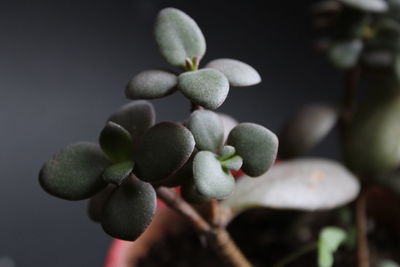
(345, 54)
(97, 202)
(330, 238)
(377, 6)
(304, 184)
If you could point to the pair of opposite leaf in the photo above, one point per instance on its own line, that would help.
(182, 44)
(131, 143)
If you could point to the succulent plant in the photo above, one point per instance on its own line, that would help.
(134, 155)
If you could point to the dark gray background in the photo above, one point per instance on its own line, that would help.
(63, 68)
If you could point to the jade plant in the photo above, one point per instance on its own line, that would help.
(137, 160)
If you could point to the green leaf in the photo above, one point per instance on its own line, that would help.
(330, 238)
(75, 172)
(302, 184)
(151, 84)
(367, 5)
(207, 129)
(239, 74)
(136, 117)
(234, 163)
(256, 145)
(116, 142)
(207, 87)
(227, 152)
(345, 54)
(163, 150)
(209, 178)
(117, 173)
(178, 37)
(97, 202)
(306, 129)
(129, 210)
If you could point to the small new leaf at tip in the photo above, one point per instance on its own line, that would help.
(209, 178)
(75, 172)
(151, 84)
(117, 173)
(239, 74)
(116, 142)
(206, 87)
(234, 163)
(178, 37)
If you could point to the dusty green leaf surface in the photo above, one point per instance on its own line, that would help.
(209, 178)
(136, 117)
(116, 142)
(118, 172)
(239, 74)
(75, 172)
(163, 150)
(257, 146)
(178, 37)
(129, 210)
(191, 195)
(151, 84)
(207, 129)
(306, 129)
(302, 184)
(206, 87)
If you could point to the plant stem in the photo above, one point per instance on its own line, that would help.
(296, 254)
(218, 238)
(362, 240)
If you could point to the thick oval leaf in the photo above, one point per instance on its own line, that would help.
(304, 184)
(97, 202)
(345, 54)
(163, 150)
(181, 176)
(234, 163)
(136, 117)
(229, 123)
(116, 142)
(207, 87)
(239, 74)
(209, 178)
(150, 84)
(257, 146)
(117, 173)
(372, 144)
(207, 129)
(367, 5)
(129, 210)
(306, 129)
(178, 37)
(330, 238)
(75, 172)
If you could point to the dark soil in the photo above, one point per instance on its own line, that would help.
(267, 236)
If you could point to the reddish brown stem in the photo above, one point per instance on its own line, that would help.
(362, 231)
(217, 237)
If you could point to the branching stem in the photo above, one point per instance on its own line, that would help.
(218, 238)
